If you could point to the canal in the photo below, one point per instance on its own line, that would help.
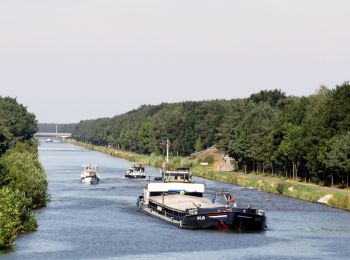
(102, 222)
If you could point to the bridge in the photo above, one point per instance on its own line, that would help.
(60, 136)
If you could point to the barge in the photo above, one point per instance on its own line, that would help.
(179, 201)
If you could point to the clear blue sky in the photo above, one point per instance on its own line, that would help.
(69, 60)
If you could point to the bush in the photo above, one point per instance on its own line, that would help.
(24, 172)
(281, 188)
(209, 159)
(15, 215)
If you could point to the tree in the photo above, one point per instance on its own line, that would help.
(338, 156)
(6, 138)
(267, 131)
(198, 145)
(21, 124)
(292, 147)
(272, 97)
(146, 138)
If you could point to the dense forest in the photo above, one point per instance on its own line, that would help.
(23, 184)
(305, 138)
(51, 128)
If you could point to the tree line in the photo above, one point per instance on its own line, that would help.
(305, 138)
(23, 184)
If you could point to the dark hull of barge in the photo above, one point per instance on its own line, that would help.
(238, 220)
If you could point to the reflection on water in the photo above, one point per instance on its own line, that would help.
(101, 221)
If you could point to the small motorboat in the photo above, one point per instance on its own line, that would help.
(137, 170)
(89, 174)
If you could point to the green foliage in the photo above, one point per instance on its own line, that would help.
(340, 201)
(268, 132)
(25, 174)
(198, 145)
(9, 217)
(209, 159)
(272, 97)
(17, 119)
(145, 135)
(6, 138)
(23, 185)
(281, 188)
(16, 215)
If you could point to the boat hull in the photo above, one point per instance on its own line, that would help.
(238, 219)
(135, 176)
(89, 180)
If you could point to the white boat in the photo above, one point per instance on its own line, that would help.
(89, 174)
(48, 140)
(137, 170)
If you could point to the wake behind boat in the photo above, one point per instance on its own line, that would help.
(89, 174)
(137, 170)
(180, 201)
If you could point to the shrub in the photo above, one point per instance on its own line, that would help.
(209, 159)
(15, 215)
(25, 173)
(281, 188)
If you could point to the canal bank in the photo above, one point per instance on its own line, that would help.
(304, 191)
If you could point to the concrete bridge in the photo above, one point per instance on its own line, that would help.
(53, 135)
(60, 136)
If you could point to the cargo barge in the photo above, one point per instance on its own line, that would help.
(179, 201)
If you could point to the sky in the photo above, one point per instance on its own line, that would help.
(70, 60)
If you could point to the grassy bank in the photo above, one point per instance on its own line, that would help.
(288, 188)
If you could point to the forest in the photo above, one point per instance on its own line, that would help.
(23, 184)
(304, 138)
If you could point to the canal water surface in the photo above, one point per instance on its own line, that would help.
(102, 222)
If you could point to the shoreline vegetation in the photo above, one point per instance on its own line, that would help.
(23, 183)
(333, 197)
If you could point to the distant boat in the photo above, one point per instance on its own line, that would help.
(48, 140)
(89, 174)
(137, 170)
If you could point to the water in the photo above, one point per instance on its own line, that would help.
(101, 221)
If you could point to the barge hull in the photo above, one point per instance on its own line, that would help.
(239, 220)
(227, 221)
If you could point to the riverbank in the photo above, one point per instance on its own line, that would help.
(309, 192)
(23, 184)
